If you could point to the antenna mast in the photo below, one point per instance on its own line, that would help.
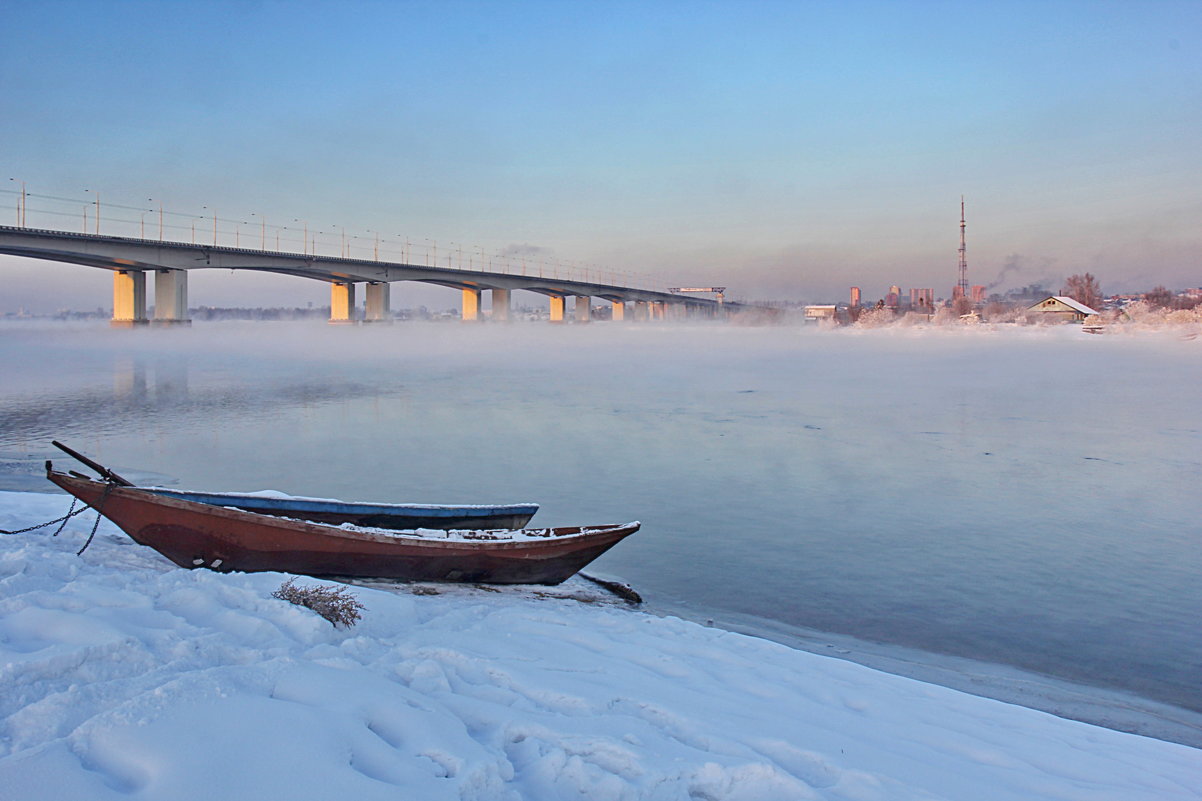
(963, 285)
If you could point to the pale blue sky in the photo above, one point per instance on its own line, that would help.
(782, 149)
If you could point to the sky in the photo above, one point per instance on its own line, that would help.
(786, 150)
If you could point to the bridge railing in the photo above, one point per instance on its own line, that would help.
(94, 213)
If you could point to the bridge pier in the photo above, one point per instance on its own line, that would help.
(129, 298)
(557, 306)
(619, 311)
(584, 308)
(642, 311)
(342, 302)
(500, 305)
(171, 297)
(471, 304)
(378, 302)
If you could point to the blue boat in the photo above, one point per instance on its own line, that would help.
(396, 516)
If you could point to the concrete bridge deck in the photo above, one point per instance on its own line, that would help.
(131, 259)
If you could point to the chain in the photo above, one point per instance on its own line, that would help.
(108, 487)
(61, 520)
(72, 512)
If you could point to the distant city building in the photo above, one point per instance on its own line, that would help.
(922, 300)
(978, 293)
(1061, 308)
(855, 296)
(818, 312)
(893, 298)
(957, 292)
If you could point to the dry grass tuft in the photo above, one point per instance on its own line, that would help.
(335, 604)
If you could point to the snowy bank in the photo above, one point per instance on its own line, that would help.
(125, 677)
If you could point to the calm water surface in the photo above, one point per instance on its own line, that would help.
(1028, 498)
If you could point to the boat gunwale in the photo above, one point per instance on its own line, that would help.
(386, 537)
(309, 504)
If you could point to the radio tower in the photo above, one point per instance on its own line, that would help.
(963, 285)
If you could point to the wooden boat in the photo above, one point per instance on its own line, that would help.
(319, 510)
(395, 516)
(193, 534)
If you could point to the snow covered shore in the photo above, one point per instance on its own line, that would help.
(125, 677)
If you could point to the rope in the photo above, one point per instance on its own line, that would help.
(61, 520)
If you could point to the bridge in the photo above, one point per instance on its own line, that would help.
(132, 259)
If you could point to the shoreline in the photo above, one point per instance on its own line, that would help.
(1097, 706)
(132, 676)
(1106, 708)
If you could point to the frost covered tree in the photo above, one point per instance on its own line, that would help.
(1159, 298)
(1083, 289)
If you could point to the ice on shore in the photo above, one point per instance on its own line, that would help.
(125, 677)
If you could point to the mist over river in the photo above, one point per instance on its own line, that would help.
(1025, 498)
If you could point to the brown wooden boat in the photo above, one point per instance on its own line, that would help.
(193, 534)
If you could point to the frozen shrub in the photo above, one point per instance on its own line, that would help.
(1183, 316)
(1143, 312)
(946, 315)
(1143, 315)
(335, 604)
(876, 318)
(1001, 313)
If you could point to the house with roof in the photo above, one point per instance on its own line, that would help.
(1059, 308)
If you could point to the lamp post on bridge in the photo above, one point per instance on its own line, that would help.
(305, 240)
(142, 220)
(214, 212)
(262, 230)
(20, 205)
(97, 212)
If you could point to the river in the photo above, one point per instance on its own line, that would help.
(1024, 499)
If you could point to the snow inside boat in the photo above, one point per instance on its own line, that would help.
(193, 534)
